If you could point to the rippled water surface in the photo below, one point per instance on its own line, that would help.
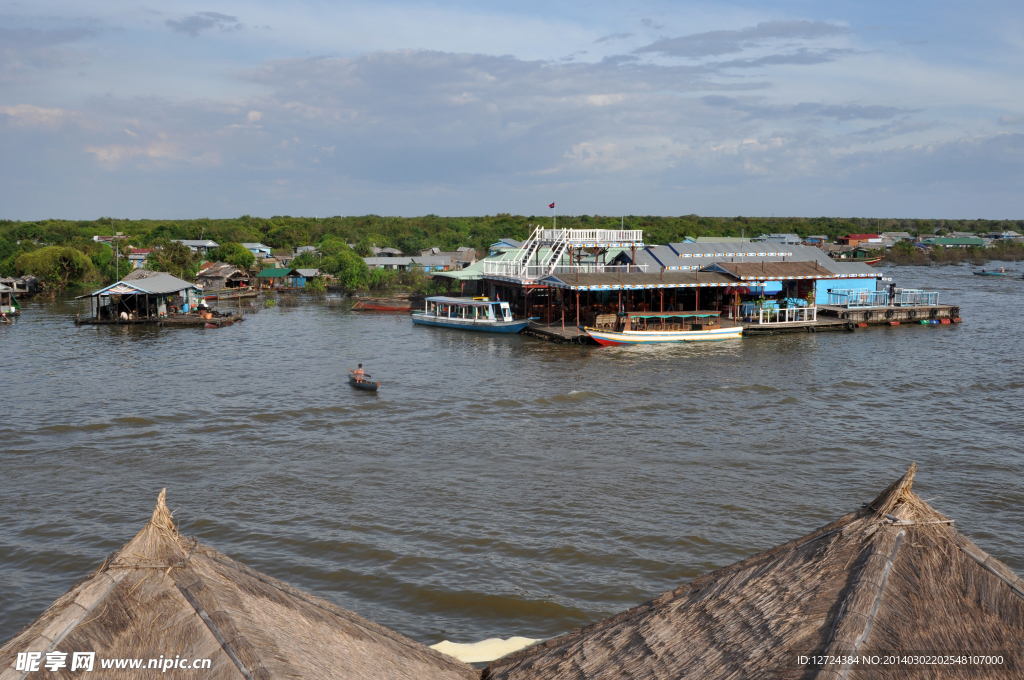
(495, 485)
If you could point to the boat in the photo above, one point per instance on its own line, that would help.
(392, 304)
(641, 328)
(363, 384)
(469, 314)
(1000, 272)
(870, 259)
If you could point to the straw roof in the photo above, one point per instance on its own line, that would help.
(893, 577)
(164, 594)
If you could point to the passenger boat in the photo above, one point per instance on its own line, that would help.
(641, 328)
(1000, 272)
(469, 314)
(870, 259)
(363, 384)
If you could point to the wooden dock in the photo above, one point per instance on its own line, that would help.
(892, 315)
(176, 321)
(555, 333)
(817, 326)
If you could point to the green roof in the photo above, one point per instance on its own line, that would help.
(275, 273)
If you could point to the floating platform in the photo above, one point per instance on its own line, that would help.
(555, 333)
(891, 315)
(176, 321)
(817, 326)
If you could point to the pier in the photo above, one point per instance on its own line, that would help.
(555, 332)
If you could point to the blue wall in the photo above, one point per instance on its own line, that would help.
(822, 287)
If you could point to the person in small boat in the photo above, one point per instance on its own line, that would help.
(358, 373)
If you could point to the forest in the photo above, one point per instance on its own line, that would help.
(63, 253)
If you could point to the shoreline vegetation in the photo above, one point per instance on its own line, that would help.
(64, 255)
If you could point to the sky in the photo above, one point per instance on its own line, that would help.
(219, 109)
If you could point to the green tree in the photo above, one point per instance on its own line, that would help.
(56, 267)
(233, 253)
(316, 285)
(350, 270)
(173, 258)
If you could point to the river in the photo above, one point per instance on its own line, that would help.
(495, 485)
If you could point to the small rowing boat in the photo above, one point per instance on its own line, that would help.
(393, 304)
(363, 384)
(641, 328)
(999, 272)
(469, 314)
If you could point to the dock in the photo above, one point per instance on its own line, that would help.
(814, 326)
(174, 321)
(892, 315)
(556, 333)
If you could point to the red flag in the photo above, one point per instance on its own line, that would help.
(552, 205)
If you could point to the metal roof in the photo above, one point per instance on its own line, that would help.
(308, 273)
(160, 283)
(196, 243)
(469, 302)
(639, 281)
(275, 273)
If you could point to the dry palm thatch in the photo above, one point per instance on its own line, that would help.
(891, 578)
(165, 595)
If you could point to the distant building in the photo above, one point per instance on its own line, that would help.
(220, 275)
(457, 259)
(860, 239)
(138, 256)
(788, 239)
(949, 242)
(505, 245)
(197, 246)
(716, 239)
(258, 249)
(386, 252)
(816, 239)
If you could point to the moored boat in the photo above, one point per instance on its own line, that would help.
(641, 328)
(469, 314)
(395, 304)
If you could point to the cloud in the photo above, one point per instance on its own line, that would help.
(158, 150)
(717, 43)
(25, 49)
(1011, 120)
(613, 36)
(26, 115)
(202, 21)
(649, 23)
(802, 57)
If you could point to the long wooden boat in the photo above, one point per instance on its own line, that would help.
(641, 328)
(469, 314)
(872, 260)
(382, 305)
(363, 384)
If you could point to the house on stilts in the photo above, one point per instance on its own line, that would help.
(165, 594)
(879, 593)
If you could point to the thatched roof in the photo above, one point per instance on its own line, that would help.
(164, 594)
(893, 577)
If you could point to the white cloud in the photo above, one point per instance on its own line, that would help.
(27, 115)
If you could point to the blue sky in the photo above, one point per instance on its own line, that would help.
(182, 110)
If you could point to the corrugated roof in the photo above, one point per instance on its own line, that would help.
(308, 273)
(774, 270)
(154, 283)
(616, 281)
(275, 273)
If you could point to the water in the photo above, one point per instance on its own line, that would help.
(495, 486)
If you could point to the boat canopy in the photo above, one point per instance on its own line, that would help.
(649, 315)
(467, 302)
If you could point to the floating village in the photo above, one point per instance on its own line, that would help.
(889, 590)
(585, 286)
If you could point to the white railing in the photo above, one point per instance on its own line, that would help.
(856, 298)
(514, 269)
(593, 235)
(768, 315)
(912, 297)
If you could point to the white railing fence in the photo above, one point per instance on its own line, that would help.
(768, 315)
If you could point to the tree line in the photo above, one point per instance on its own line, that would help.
(63, 253)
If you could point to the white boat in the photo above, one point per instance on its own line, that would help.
(641, 328)
(469, 314)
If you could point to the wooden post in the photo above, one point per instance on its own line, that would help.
(663, 300)
(561, 303)
(577, 308)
